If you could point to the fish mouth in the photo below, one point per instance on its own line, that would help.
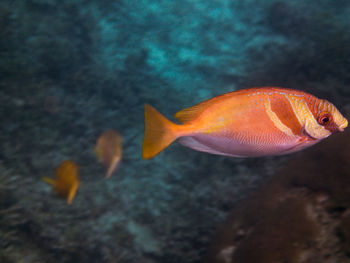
(343, 125)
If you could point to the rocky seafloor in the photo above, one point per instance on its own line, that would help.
(70, 70)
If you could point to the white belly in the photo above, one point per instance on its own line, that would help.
(235, 147)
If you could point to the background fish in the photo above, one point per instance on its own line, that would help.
(109, 150)
(66, 180)
(246, 123)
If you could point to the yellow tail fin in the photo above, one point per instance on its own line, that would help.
(159, 133)
(48, 180)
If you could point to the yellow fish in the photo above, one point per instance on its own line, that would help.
(246, 123)
(66, 180)
(109, 150)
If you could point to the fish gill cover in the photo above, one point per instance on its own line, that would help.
(71, 69)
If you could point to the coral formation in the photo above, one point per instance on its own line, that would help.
(301, 215)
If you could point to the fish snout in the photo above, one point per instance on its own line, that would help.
(343, 125)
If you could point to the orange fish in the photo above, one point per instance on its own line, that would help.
(66, 180)
(109, 150)
(246, 123)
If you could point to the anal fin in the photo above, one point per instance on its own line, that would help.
(192, 143)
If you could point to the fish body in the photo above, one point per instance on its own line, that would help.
(66, 180)
(246, 123)
(109, 150)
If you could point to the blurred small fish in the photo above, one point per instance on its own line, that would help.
(246, 123)
(66, 180)
(109, 150)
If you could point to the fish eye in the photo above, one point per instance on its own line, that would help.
(324, 119)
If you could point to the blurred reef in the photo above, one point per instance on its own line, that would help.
(72, 69)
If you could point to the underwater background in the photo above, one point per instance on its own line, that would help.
(70, 70)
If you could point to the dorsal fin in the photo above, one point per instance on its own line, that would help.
(191, 113)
